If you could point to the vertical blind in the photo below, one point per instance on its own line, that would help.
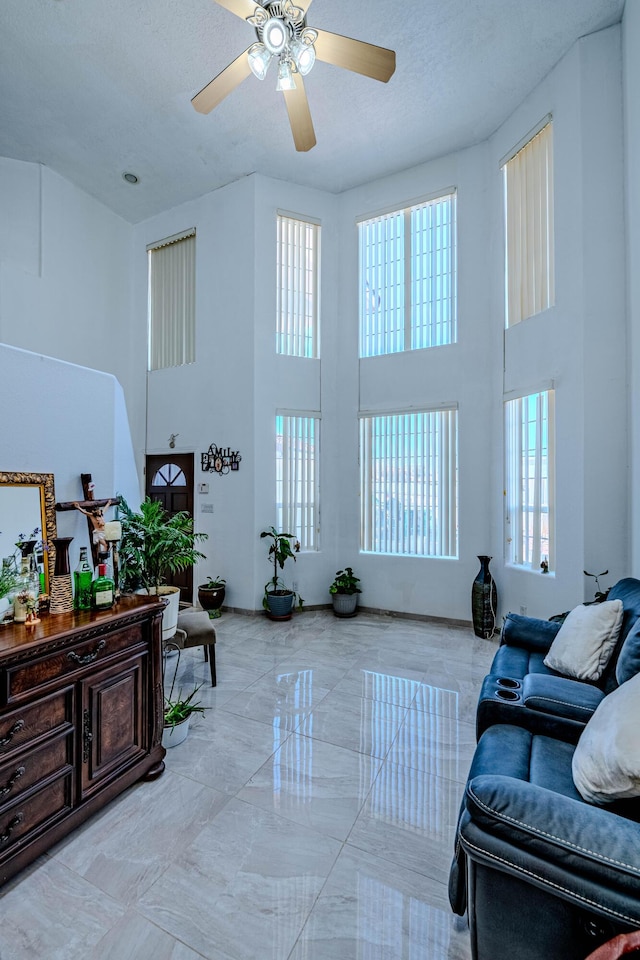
(297, 298)
(409, 483)
(529, 251)
(407, 275)
(171, 296)
(297, 478)
(530, 450)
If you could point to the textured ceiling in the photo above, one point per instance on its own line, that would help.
(92, 88)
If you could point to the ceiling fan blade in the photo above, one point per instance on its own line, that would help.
(241, 8)
(300, 116)
(376, 62)
(222, 85)
(303, 4)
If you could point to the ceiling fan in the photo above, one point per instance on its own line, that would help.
(283, 36)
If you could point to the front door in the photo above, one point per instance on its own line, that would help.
(169, 479)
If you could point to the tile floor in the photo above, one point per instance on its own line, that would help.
(308, 816)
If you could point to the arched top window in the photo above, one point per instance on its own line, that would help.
(169, 475)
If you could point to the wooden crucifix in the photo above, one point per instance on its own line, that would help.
(99, 534)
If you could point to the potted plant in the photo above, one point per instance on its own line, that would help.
(155, 543)
(278, 599)
(211, 593)
(178, 712)
(344, 593)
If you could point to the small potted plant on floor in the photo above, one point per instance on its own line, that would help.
(344, 593)
(155, 543)
(211, 593)
(278, 599)
(178, 712)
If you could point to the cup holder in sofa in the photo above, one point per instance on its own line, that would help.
(508, 682)
(507, 695)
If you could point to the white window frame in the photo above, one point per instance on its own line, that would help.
(171, 301)
(411, 444)
(298, 475)
(529, 232)
(407, 277)
(530, 480)
(297, 286)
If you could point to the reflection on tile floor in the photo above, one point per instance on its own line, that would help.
(308, 816)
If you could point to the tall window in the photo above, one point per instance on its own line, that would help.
(297, 458)
(530, 450)
(171, 301)
(528, 202)
(409, 483)
(298, 248)
(408, 278)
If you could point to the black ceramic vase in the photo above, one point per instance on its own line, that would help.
(484, 601)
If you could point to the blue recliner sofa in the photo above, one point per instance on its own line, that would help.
(542, 873)
(521, 690)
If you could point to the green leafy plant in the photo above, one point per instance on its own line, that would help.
(345, 582)
(8, 579)
(600, 594)
(155, 543)
(175, 711)
(213, 583)
(280, 551)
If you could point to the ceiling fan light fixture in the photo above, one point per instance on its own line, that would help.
(275, 34)
(285, 77)
(304, 55)
(259, 60)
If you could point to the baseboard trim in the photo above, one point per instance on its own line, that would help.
(373, 611)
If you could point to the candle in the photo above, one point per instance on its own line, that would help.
(113, 531)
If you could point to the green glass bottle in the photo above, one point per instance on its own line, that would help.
(82, 581)
(102, 589)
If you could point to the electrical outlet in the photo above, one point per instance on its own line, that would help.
(294, 586)
(523, 611)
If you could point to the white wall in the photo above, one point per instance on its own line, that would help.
(67, 420)
(631, 79)
(65, 271)
(579, 343)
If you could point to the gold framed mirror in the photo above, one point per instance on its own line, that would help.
(27, 502)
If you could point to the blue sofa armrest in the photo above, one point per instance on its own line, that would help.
(528, 632)
(560, 696)
(557, 836)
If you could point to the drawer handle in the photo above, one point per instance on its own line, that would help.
(10, 784)
(16, 728)
(88, 657)
(13, 823)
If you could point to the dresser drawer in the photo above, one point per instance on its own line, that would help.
(41, 671)
(33, 766)
(25, 725)
(35, 812)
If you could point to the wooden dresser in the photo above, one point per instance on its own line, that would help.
(81, 712)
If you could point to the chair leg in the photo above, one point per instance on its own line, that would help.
(212, 664)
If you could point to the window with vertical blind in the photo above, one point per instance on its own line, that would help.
(529, 246)
(298, 265)
(409, 483)
(530, 456)
(297, 460)
(171, 301)
(407, 278)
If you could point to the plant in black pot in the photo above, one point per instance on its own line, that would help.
(211, 594)
(344, 593)
(278, 599)
(155, 543)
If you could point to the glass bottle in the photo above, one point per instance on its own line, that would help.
(82, 581)
(102, 590)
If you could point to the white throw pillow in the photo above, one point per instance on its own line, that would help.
(585, 641)
(606, 762)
